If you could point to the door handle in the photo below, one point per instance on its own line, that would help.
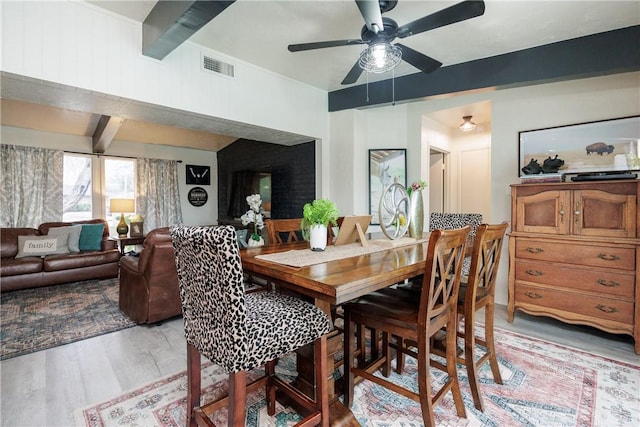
(608, 257)
(533, 295)
(607, 283)
(606, 309)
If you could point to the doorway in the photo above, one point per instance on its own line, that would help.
(436, 181)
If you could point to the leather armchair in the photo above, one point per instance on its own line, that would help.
(149, 282)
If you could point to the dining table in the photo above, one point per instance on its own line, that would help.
(330, 278)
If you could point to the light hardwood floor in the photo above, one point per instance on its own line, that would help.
(44, 388)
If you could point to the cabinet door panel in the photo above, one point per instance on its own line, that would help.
(597, 213)
(545, 212)
(607, 282)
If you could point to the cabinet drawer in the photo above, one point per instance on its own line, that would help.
(622, 258)
(598, 307)
(607, 282)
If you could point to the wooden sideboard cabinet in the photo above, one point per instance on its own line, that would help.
(574, 253)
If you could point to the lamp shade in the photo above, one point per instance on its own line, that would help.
(122, 205)
(467, 125)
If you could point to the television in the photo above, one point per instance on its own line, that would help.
(243, 183)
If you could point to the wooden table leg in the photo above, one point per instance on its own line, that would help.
(340, 415)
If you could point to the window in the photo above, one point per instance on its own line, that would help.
(119, 182)
(76, 188)
(113, 177)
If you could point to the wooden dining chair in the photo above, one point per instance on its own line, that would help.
(282, 231)
(478, 292)
(241, 331)
(399, 312)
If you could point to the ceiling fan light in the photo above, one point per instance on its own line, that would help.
(467, 125)
(380, 57)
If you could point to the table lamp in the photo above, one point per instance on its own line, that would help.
(122, 206)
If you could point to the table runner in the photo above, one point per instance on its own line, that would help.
(305, 257)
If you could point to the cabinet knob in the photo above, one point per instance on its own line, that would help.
(606, 309)
(607, 283)
(577, 212)
(608, 257)
(535, 250)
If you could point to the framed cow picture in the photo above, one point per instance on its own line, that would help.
(600, 146)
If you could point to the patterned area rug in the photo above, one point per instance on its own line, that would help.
(41, 318)
(544, 385)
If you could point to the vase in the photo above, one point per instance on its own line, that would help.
(416, 215)
(252, 243)
(318, 237)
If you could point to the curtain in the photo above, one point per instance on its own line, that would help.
(157, 195)
(31, 188)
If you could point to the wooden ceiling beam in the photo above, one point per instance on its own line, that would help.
(105, 132)
(170, 23)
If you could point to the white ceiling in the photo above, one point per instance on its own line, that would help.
(258, 32)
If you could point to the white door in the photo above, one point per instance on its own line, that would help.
(475, 182)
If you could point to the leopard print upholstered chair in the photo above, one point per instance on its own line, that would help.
(450, 221)
(241, 331)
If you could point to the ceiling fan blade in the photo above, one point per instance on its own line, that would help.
(456, 13)
(320, 45)
(353, 75)
(419, 60)
(370, 11)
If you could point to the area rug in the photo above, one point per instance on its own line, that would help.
(545, 384)
(41, 318)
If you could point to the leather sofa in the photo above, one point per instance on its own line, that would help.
(35, 271)
(149, 289)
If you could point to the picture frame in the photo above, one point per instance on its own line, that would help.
(197, 196)
(598, 146)
(136, 229)
(386, 166)
(198, 175)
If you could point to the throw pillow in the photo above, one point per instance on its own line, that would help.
(42, 245)
(73, 234)
(91, 237)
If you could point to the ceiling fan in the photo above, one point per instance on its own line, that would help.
(378, 32)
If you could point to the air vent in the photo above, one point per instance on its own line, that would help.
(217, 66)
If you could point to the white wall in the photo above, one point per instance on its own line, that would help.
(76, 44)
(191, 215)
(513, 110)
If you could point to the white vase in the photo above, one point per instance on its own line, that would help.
(318, 237)
(252, 243)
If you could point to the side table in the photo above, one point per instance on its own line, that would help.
(128, 241)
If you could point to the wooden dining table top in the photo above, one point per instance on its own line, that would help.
(336, 282)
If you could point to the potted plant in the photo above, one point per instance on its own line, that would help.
(316, 217)
(254, 216)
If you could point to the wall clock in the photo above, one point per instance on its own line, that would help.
(198, 196)
(198, 175)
